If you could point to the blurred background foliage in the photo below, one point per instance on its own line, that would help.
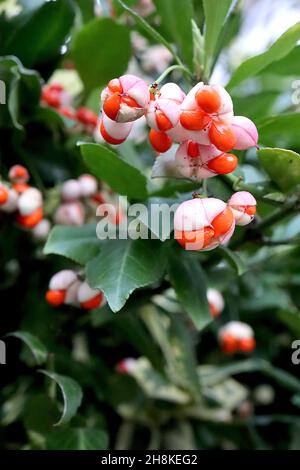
(184, 393)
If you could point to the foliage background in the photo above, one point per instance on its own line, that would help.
(185, 393)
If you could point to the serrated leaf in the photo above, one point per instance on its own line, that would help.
(37, 348)
(80, 244)
(77, 439)
(109, 167)
(123, 266)
(286, 42)
(71, 392)
(283, 166)
(189, 283)
(97, 64)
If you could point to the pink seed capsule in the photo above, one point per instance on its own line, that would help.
(245, 132)
(89, 298)
(237, 336)
(203, 224)
(243, 206)
(125, 98)
(216, 301)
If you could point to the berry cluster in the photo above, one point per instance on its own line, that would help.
(24, 201)
(203, 224)
(237, 336)
(202, 122)
(74, 193)
(65, 287)
(56, 97)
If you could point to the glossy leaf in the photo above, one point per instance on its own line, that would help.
(233, 259)
(80, 244)
(125, 265)
(71, 392)
(36, 347)
(97, 64)
(37, 33)
(277, 51)
(109, 167)
(283, 166)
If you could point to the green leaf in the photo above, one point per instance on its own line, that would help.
(71, 392)
(218, 374)
(80, 244)
(125, 265)
(233, 259)
(277, 51)
(77, 439)
(22, 89)
(95, 63)
(37, 348)
(287, 66)
(254, 106)
(108, 166)
(281, 130)
(283, 166)
(176, 17)
(50, 22)
(215, 13)
(188, 280)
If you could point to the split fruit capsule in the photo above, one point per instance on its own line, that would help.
(125, 366)
(114, 133)
(164, 111)
(243, 206)
(89, 298)
(4, 194)
(215, 301)
(18, 174)
(125, 98)
(70, 213)
(160, 141)
(237, 336)
(88, 185)
(31, 220)
(222, 136)
(202, 224)
(9, 199)
(196, 161)
(58, 285)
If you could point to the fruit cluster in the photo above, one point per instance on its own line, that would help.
(202, 122)
(202, 224)
(65, 287)
(55, 96)
(237, 336)
(24, 201)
